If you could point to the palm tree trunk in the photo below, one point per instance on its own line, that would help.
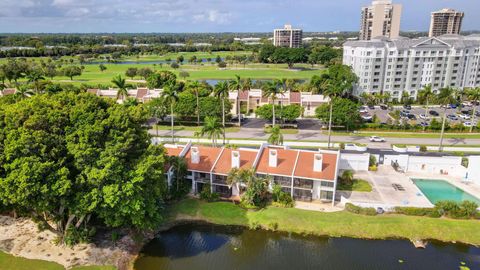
(223, 119)
(330, 123)
(273, 110)
(473, 118)
(238, 107)
(198, 110)
(440, 147)
(171, 121)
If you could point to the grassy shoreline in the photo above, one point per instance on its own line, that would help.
(10, 262)
(337, 224)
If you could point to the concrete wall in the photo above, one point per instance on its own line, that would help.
(437, 165)
(473, 171)
(356, 162)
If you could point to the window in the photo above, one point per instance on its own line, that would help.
(326, 184)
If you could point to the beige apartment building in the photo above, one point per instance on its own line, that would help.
(250, 100)
(445, 21)
(287, 37)
(382, 18)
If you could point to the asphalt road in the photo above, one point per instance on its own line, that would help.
(312, 133)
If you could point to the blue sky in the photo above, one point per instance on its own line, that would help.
(210, 15)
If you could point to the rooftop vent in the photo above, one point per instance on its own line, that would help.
(195, 155)
(318, 162)
(272, 158)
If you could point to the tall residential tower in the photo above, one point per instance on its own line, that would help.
(382, 18)
(287, 37)
(445, 21)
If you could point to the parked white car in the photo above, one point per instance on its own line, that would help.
(469, 124)
(465, 116)
(377, 139)
(363, 109)
(423, 116)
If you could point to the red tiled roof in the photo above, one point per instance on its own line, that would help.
(141, 93)
(304, 167)
(243, 95)
(9, 91)
(224, 164)
(295, 97)
(285, 162)
(174, 151)
(92, 91)
(208, 156)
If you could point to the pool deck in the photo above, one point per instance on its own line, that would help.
(384, 193)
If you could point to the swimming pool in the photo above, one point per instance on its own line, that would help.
(440, 190)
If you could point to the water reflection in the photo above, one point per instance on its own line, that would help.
(220, 247)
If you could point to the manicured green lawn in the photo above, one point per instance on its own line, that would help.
(92, 74)
(357, 185)
(335, 224)
(9, 262)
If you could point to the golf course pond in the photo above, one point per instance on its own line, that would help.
(206, 246)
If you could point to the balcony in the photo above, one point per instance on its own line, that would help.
(220, 179)
(303, 183)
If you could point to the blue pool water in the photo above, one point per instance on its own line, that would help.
(439, 190)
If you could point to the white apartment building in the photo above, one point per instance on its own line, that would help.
(445, 21)
(397, 65)
(287, 37)
(382, 18)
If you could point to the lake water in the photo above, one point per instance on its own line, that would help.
(204, 246)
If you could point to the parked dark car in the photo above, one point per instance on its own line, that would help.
(383, 107)
(408, 107)
(412, 116)
(434, 113)
(371, 107)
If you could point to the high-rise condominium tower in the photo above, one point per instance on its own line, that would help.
(445, 21)
(287, 37)
(382, 18)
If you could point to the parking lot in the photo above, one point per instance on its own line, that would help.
(415, 115)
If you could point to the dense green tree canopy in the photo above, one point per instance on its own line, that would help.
(69, 157)
(289, 112)
(344, 113)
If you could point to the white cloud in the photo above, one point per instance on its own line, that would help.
(213, 16)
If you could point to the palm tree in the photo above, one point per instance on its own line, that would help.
(276, 137)
(157, 110)
(121, 84)
(284, 84)
(23, 92)
(271, 90)
(35, 78)
(235, 178)
(179, 168)
(195, 86)
(221, 91)
(170, 95)
(474, 95)
(212, 129)
(445, 97)
(426, 94)
(237, 85)
(336, 82)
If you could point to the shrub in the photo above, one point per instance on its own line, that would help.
(281, 198)
(369, 211)
(207, 195)
(255, 225)
(273, 226)
(423, 148)
(372, 161)
(373, 168)
(416, 211)
(465, 209)
(342, 146)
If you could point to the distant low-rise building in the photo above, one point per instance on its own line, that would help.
(402, 64)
